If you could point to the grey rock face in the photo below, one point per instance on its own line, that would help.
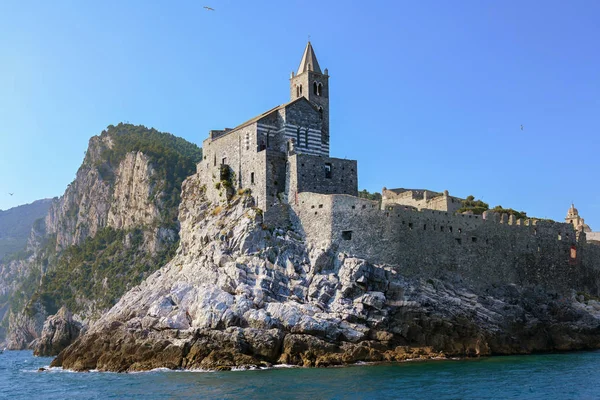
(25, 330)
(237, 295)
(118, 198)
(60, 330)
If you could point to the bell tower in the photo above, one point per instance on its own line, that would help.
(313, 84)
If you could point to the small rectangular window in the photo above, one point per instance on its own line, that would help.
(474, 239)
(224, 161)
(252, 178)
(410, 225)
(347, 235)
(328, 170)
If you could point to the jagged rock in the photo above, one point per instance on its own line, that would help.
(239, 295)
(25, 329)
(60, 330)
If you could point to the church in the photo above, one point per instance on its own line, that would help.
(283, 151)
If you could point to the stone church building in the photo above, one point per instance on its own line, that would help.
(285, 150)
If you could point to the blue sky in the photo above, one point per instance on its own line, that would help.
(424, 94)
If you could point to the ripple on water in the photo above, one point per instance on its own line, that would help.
(553, 376)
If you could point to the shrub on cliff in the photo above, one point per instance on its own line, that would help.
(475, 206)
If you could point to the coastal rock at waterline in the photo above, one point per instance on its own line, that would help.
(60, 330)
(25, 330)
(237, 294)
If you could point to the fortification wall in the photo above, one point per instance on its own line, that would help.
(313, 218)
(593, 236)
(323, 175)
(421, 199)
(429, 243)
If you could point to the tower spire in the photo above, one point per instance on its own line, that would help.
(309, 61)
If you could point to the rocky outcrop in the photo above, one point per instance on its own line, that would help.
(132, 204)
(239, 294)
(25, 329)
(60, 330)
(104, 195)
(83, 209)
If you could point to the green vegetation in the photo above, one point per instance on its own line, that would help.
(102, 269)
(475, 206)
(364, 194)
(46, 256)
(510, 211)
(478, 207)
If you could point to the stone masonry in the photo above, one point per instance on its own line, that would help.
(282, 157)
(283, 151)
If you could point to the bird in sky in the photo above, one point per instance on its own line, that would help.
(521, 126)
(11, 194)
(209, 8)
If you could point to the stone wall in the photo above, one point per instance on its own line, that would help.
(303, 122)
(497, 249)
(421, 199)
(323, 175)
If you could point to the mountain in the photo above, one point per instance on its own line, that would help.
(115, 224)
(16, 224)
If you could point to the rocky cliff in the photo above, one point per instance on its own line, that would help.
(114, 225)
(239, 294)
(60, 330)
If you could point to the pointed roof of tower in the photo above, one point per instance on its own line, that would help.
(309, 61)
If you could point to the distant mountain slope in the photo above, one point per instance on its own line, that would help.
(16, 223)
(115, 224)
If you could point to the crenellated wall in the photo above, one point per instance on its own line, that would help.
(496, 248)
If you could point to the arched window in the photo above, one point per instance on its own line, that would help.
(315, 88)
(321, 112)
(306, 137)
(300, 90)
(320, 89)
(297, 91)
(298, 137)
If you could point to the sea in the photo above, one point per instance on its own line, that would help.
(548, 376)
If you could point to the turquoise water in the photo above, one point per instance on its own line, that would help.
(553, 376)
